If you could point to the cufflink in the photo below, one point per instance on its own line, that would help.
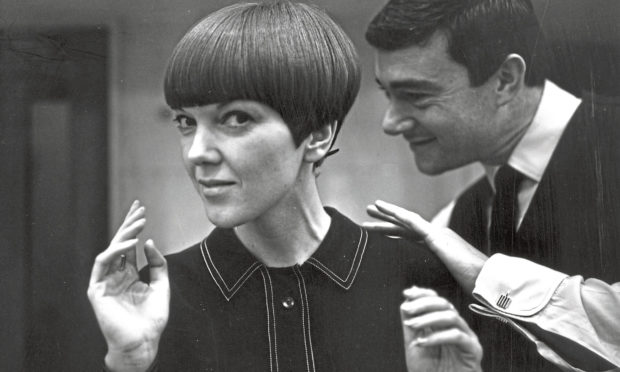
(504, 301)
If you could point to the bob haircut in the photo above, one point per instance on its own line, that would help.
(292, 57)
(481, 33)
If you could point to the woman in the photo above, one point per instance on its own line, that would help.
(259, 93)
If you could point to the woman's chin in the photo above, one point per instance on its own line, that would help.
(225, 221)
(225, 224)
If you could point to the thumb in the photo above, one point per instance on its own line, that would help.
(158, 267)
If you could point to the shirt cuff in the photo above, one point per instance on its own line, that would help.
(516, 287)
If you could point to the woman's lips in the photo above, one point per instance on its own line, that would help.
(215, 187)
(216, 183)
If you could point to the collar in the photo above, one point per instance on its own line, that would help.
(534, 150)
(338, 257)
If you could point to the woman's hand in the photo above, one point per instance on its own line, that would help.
(131, 314)
(437, 339)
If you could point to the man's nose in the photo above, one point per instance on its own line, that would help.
(394, 123)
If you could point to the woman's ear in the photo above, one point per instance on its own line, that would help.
(510, 78)
(318, 143)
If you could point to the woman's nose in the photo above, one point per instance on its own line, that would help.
(203, 148)
(394, 123)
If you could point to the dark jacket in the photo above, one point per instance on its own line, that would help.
(339, 311)
(572, 224)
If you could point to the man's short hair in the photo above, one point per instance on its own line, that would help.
(292, 57)
(481, 33)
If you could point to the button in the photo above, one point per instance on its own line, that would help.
(288, 302)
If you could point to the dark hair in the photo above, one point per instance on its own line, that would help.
(292, 57)
(481, 33)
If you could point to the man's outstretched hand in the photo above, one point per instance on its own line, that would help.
(463, 260)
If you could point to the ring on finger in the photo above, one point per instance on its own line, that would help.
(121, 266)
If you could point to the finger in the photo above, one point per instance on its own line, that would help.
(453, 336)
(424, 305)
(133, 206)
(437, 320)
(405, 217)
(132, 211)
(109, 257)
(389, 228)
(135, 213)
(158, 267)
(375, 213)
(130, 231)
(131, 257)
(415, 292)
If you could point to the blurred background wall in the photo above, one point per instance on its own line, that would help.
(138, 154)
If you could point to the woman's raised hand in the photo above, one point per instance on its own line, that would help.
(437, 338)
(131, 314)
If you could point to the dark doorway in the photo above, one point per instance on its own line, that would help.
(53, 195)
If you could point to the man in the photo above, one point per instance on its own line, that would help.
(466, 85)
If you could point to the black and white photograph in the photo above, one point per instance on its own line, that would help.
(313, 186)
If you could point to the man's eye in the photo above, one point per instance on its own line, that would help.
(184, 121)
(419, 100)
(414, 96)
(236, 119)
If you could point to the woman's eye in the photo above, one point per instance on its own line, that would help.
(184, 122)
(236, 118)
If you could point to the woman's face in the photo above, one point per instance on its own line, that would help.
(241, 158)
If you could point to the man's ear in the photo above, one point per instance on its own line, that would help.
(318, 143)
(510, 78)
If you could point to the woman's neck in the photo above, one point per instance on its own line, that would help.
(290, 232)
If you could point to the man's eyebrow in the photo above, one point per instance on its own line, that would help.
(411, 84)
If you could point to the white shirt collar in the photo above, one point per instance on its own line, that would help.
(534, 150)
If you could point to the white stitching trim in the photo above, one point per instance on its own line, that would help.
(270, 311)
(206, 256)
(273, 311)
(305, 311)
(341, 282)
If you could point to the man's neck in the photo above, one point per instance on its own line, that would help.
(518, 115)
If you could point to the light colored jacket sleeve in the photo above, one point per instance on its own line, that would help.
(574, 323)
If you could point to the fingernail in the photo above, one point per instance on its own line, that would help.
(420, 341)
(412, 323)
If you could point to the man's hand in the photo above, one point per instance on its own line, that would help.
(463, 260)
(131, 314)
(436, 338)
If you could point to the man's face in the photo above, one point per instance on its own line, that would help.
(447, 122)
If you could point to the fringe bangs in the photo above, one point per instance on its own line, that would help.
(291, 57)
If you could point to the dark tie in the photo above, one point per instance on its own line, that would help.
(505, 212)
